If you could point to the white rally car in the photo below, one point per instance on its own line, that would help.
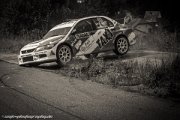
(84, 36)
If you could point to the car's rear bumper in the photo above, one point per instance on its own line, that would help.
(37, 57)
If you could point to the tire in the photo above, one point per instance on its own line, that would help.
(121, 45)
(64, 55)
(89, 55)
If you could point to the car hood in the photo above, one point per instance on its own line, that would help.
(42, 42)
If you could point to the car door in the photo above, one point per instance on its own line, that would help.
(103, 35)
(84, 31)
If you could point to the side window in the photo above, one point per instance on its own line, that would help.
(83, 26)
(109, 23)
(102, 23)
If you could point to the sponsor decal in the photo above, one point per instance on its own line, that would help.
(105, 38)
(73, 42)
(87, 44)
(99, 32)
(78, 44)
(82, 35)
(97, 40)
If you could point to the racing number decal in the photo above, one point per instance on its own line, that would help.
(105, 38)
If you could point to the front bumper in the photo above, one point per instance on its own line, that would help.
(37, 57)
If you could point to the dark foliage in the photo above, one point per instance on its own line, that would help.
(22, 16)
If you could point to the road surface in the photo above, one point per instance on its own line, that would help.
(43, 92)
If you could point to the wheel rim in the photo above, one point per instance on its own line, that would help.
(64, 54)
(122, 45)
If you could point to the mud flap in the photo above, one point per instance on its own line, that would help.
(132, 38)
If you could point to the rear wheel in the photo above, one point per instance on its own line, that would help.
(121, 45)
(64, 55)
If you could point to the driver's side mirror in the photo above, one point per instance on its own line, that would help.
(74, 31)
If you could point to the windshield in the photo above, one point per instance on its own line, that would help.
(56, 32)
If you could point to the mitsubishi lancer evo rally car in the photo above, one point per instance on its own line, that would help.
(85, 36)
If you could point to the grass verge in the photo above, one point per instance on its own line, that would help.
(159, 77)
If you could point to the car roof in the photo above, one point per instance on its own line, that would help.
(72, 22)
(91, 17)
(64, 24)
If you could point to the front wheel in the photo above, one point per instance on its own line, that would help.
(121, 45)
(64, 55)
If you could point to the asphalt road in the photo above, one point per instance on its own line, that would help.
(40, 91)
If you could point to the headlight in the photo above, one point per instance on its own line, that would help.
(47, 46)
